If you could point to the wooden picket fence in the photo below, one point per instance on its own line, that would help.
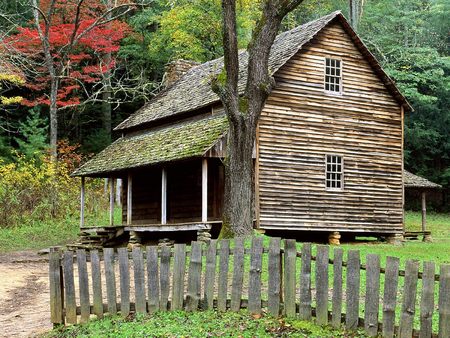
(294, 284)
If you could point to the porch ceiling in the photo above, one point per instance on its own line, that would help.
(175, 142)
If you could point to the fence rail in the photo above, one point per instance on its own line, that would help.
(277, 278)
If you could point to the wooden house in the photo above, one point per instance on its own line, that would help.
(328, 154)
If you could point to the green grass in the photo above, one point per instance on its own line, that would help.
(199, 324)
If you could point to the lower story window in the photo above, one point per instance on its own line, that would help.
(334, 175)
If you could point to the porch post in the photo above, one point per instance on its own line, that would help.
(129, 198)
(111, 201)
(82, 202)
(163, 196)
(204, 190)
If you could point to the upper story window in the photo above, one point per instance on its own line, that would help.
(333, 75)
(334, 179)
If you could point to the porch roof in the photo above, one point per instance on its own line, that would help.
(414, 181)
(175, 142)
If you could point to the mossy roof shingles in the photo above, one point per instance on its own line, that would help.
(176, 142)
(413, 181)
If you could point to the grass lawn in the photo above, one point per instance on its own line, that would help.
(200, 324)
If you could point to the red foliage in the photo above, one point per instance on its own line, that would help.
(84, 63)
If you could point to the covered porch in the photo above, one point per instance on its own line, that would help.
(172, 180)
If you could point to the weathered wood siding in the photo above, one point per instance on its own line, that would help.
(300, 124)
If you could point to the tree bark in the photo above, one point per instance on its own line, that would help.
(106, 95)
(243, 111)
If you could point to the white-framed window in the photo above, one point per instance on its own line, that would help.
(334, 172)
(333, 75)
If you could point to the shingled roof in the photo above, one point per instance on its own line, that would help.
(413, 181)
(193, 90)
(176, 142)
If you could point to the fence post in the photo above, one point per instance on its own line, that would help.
(427, 300)
(274, 287)
(110, 276)
(352, 301)
(444, 301)
(55, 279)
(238, 274)
(305, 283)
(69, 288)
(96, 284)
(210, 275)
(164, 277)
(254, 286)
(409, 299)
(224, 253)
(194, 278)
(124, 269)
(152, 279)
(139, 280)
(290, 256)
(390, 296)
(372, 303)
(179, 265)
(83, 280)
(336, 310)
(322, 284)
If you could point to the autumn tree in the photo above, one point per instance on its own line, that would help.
(244, 110)
(67, 44)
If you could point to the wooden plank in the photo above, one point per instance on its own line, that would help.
(139, 280)
(427, 300)
(195, 276)
(55, 278)
(83, 283)
(152, 279)
(290, 255)
(254, 286)
(224, 252)
(238, 274)
(164, 276)
(274, 270)
(129, 199)
(69, 288)
(336, 306)
(390, 296)
(352, 290)
(444, 301)
(305, 283)
(163, 196)
(204, 190)
(124, 270)
(322, 284)
(179, 265)
(110, 277)
(210, 275)
(96, 274)
(409, 299)
(372, 302)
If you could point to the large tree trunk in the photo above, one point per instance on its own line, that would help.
(243, 111)
(239, 172)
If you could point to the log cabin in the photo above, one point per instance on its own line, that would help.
(328, 153)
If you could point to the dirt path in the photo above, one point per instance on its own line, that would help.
(24, 295)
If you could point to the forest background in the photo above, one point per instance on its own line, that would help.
(113, 69)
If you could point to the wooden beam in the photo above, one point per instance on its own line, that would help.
(82, 201)
(167, 228)
(204, 190)
(129, 199)
(164, 196)
(111, 200)
(424, 211)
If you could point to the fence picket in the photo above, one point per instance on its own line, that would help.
(224, 253)
(164, 276)
(179, 265)
(210, 275)
(194, 278)
(427, 300)
(444, 301)
(152, 278)
(305, 283)
(139, 280)
(372, 303)
(124, 270)
(238, 274)
(322, 284)
(83, 282)
(409, 299)
(390, 296)
(254, 286)
(110, 277)
(352, 290)
(56, 294)
(96, 284)
(69, 288)
(290, 255)
(336, 306)
(274, 270)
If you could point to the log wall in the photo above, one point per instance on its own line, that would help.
(301, 124)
